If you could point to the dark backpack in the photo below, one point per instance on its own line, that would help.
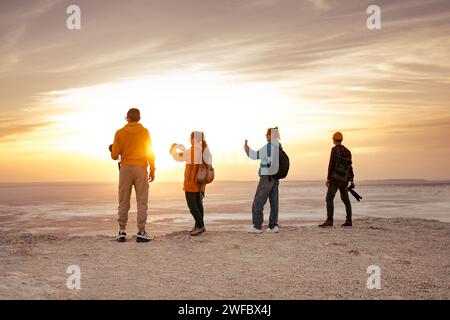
(342, 168)
(283, 165)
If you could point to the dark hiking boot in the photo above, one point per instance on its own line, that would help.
(122, 237)
(327, 223)
(143, 237)
(348, 223)
(197, 231)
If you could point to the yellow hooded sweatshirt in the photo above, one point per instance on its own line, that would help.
(134, 145)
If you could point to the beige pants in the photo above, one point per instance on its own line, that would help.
(138, 177)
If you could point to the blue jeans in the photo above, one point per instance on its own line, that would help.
(267, 189)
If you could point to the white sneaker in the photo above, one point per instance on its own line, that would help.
(273, 230)
(144, 237)
(254, 230)
(122, 237)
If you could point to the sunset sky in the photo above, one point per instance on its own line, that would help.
(230, 68)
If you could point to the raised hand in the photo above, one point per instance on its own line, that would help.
(246, 147)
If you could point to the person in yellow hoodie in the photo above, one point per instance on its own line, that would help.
(134, 146)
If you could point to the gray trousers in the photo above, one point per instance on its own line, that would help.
(267, 189)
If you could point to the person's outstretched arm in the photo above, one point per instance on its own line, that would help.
(252, 154)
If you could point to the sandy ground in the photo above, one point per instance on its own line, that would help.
(301, 262)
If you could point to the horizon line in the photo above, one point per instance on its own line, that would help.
(235, 181)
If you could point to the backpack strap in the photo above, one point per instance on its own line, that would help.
(202, 195)
(269, 155)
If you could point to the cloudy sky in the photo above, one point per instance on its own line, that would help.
(231, 68)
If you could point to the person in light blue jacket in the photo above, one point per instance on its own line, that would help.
(268, 185)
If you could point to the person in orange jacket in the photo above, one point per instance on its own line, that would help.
(134, 146)
(197, 155)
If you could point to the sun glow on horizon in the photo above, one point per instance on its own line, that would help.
(172, 105)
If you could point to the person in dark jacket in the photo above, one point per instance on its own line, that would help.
(340, 174)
